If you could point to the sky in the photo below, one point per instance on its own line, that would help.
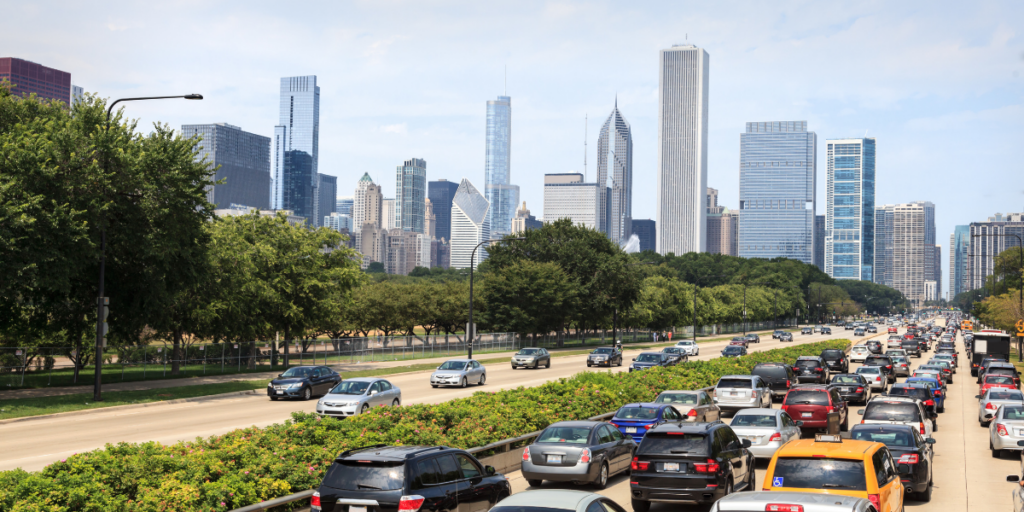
(938, 84)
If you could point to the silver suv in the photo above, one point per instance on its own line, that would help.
(735, 392)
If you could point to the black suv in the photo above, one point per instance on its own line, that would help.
(911, 347)
(836, 360)
(883, 362)
(689, 463)
(390, 478)
(811, 369)
(779, 376)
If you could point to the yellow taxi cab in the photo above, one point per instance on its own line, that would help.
(830, 464)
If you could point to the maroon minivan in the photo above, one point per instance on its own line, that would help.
(811, 405)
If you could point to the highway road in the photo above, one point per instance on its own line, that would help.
(59, 437)
(965, 477)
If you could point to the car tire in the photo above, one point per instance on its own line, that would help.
(588, 366)
(514, 367)
(366, 407)
(395, 403)
(483, 380)
(548, 366)
(728, 487)
(534, 483)
(845, 427)
(307, 394)
(273, 399)
(926, 496)
(640, 506)
(995, 453)
(433, 385)
(752, 480)
(464, 382)
(602, 477)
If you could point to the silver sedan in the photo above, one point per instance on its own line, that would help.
(990, 402)
(459, 372)
(357, 395)
(1006, 430)
(766, 429)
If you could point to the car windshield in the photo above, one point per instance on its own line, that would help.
(892, 439)
(350, 387)
(754, 420)
(1013, 412)
(528, 352)
(810, 363)
(452, 365)
(735, 383)
(570, 435)
(819, 473)
(297, 373)
(649, 358)
(655, 443)
(1005, 395)
(672, 350)
(902, 412)
(846, 379)
(637, 413)
(604, 351)
(808, 397)
(739, 339)
(677, 398)
(998, 379)
(733, 350)
(350, 475)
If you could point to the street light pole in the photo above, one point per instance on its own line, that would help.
(471, 328)
(100, 302)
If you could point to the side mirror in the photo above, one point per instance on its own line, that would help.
(438, 367)
(374, 392)
(280, 375)
(490, 470)
(634, 359)
(746, 443)
(1012, 478)
(799, 423)
(978, 397)
(860, 411)
(930, 440)
(903, 469)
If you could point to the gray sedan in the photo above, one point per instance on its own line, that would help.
(696, 406)
(766, 429)
(459, 372)
(583, 452)
(994, 398)
(531, 358)
(358, 395)
(1006, 430)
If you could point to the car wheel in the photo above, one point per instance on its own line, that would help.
(395, 403)
(549, 364)
(640, 506)
(925, 496)
(728, 487)
(273, 399)
(464, 383)
(483, 379)
(588, 366)
(534, 483)
(602, 477)
(366, 407)
(752, 476)
(995, 453)
(845, 427)
(307, 394)
(433, 385)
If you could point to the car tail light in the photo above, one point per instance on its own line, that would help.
(639, 465)
(780, 507)
(710, 467)
(1001, 430)
(775, 437)
(830, 409)
(908, 458)
(929, 402)
(990, 406)
(818, 369)
(585, 456)
(938, 392)
(526, 454)
(788, 383)
(922, 428)
(314, 502)
(411, 503)
(873, 498)
(692, 413)
(784, 408)
(648, 426)
(860, 390)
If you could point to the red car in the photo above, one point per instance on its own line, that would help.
(811, 405)
(893, 330)
(997, 381)
(740, 342)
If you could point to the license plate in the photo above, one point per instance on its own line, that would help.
(631, 430)
(1020, 432)
(554, 459)
(806, 414)
(280, 392)
(734, 393)
(752, 439)
(671, 466)
(352, 508)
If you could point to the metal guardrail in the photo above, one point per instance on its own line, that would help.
(502, 445)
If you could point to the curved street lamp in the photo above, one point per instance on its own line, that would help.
(471, 327)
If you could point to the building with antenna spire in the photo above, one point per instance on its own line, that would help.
(615, 174)
(500, 193)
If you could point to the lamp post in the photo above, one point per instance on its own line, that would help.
(471, 328)
(1020, 299)
(101, 303)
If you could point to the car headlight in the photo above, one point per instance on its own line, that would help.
(295, 386)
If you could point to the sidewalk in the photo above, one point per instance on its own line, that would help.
(215, 379)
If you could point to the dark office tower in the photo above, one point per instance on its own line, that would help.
(615, 171)
(28, 77)
(327, 194)
(819, 242)
(441, 193)
(244, 160)
(644, 230)
(411, 195)
(296, 149)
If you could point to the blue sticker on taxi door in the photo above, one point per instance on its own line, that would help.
(777, 481)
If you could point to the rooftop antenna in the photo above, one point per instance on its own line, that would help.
(584, 148)
(506, 81)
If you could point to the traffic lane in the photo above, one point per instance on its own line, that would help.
(168, 424)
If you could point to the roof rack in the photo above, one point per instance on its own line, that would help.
(347, 452)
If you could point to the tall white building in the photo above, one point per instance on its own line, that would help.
(366, 204)
(567, 197)
(388, 220)
(904, 250)
(498, 189)
(338, 222)
(682, 149)
(469, 225)
(615, 171)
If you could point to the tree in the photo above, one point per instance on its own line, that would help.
(661, 304)
(527, 297)
(375, 267)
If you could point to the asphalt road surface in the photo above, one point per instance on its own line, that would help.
(21, 443)
(965, 476)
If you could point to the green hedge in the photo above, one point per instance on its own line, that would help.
(254, 464)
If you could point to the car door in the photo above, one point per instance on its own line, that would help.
(388, 392)
(429, 482)
(547, 357)
(472, 496)
(624, 448)
(763, 391)
(884, 468)
(478, 370)
(732, 453)
(451, 478)
(602, 447)
(712, 412)
(789, 429)
(316, 382)
(374, 394)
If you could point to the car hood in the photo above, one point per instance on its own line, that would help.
(333, 396)
(447, 373)
(644, 363)
(286, 381)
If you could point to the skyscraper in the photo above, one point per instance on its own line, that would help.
(645, 231)
(469, 225)
(819, 242)
(777, 168)
(296, 148)
(904, 249)
(411, 192)
(615, 149)
(850, 212)
(27, 77)
(959, 244)
(441, 193)
(503, 196)
(566, 196)
(367, 204)
(682, 149)
(986, 242)
(524, 221)
(344, 205)
(884, 240)
(77, 94)
(326, 196)
(244, 160)
(388, 219)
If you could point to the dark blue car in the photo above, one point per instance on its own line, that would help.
(650, 359)
(936, 389)
(634, 420)
(303, 382)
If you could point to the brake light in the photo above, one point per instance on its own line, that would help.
(710, 467)
(639, 465)
(692, 413)
(526, 454)
(817, 369)
(1001, 429)
(908, 458)
(784, 408)
(779, 507)
(990, 406)
(585, 456)
(873, 498)
(314, 502)
(922, 428)
(787, 384)
(830, 409)
(938, 392)
(860, 390)
(648, 426)
(929, 402)
(775, 437)
(411, 503)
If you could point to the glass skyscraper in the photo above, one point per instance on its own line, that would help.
(244, 164)
(411, 195)
(296, 149)
(959, 244)
(615, 162)
(850, 212)
(441, 193)
(777, 207)
(502, 195)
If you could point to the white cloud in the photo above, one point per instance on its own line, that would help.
(400, 128)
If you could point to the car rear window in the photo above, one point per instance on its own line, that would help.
(735, 383)
(819, 473)
(911, 392)
(877, 361)
(677, 398)
(882, 411)
(892, 439)
(808, 397)
(754, 420)
(832, 354)
(998, 379)
(776, 372)
(1013, 412)
(1005, 395)
(561, 435)
(678, 444)
(811, 363)
(350, 475)
(637, 413)
(846, 379)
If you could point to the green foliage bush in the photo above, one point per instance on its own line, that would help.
(255, 464)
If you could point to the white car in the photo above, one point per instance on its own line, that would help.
(898, 410)
(859, 353)
(689, 347)
(875, 377)
(811, 502)
(357, 395)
